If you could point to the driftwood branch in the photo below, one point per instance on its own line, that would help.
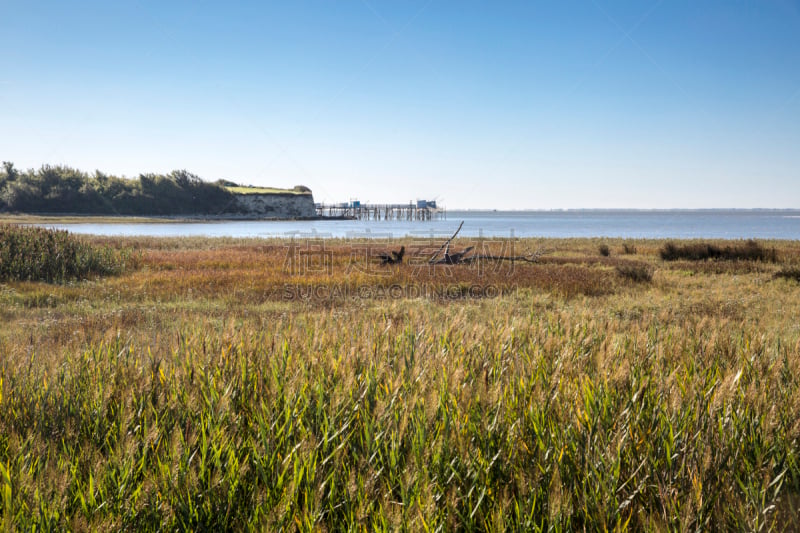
(446, 244)
(459, 258)
(393, 257)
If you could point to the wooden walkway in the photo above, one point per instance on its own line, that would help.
(381, 212)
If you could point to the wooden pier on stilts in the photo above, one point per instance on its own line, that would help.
(357, 211)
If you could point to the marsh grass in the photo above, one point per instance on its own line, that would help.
(789, 272)
(750, 250)
(638, 273)
(39, 254)
(186, 395)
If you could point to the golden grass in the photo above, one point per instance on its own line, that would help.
(229, 384)
(263, 190)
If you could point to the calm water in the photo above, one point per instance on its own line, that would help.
(726, 224)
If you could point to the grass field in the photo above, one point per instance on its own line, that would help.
(222, 384)
(264, 190)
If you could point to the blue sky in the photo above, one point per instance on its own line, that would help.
(506, 105)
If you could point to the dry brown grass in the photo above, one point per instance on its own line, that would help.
(225, 385)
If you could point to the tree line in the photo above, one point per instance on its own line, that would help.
(61, 189)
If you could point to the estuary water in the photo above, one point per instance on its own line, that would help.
(679, 224)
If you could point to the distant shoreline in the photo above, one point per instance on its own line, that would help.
(77, 218)
(636, 210)
(137, 219)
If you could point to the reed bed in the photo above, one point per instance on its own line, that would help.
(40, 254)
(750, 250)
(189, 394)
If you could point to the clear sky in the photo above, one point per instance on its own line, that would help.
(517, 104)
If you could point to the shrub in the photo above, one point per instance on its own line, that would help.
(604, 250)
(628, 248)
(38, 254)
(60, 189)
(749, 251)
(789, 273)
(637, 273)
